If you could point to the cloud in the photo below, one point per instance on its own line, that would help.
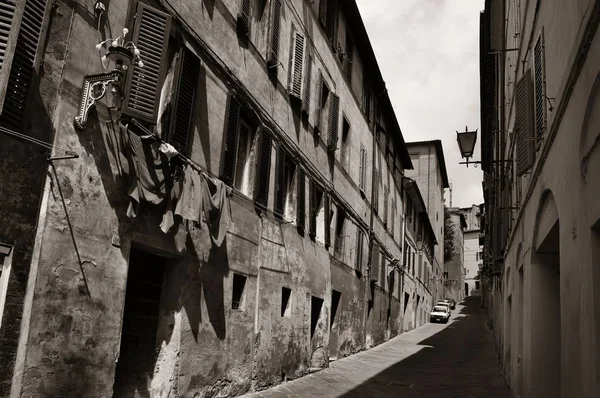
(428, 53)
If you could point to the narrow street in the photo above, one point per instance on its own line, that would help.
(437, 360)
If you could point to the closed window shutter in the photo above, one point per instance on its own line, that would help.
(376, 191)
(273, 58)
(297, 67)
(307, 87)
(361, 170)
(327, 211)
(312, 209)
(359, 251)
(334, 123)
(20, 52)
(231, 140)
(244, 16)
(525, 146)
(540, 101)
(499, 239)
(375, 262)
(301, 200)
(323, 12)
(186, 95)
(142, 90)
(319, 101)
(264, 169)
(280, 178)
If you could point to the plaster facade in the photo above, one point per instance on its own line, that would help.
(275, 300)
(430, 173)
(541, 211)
(473, 250)
(454, 267)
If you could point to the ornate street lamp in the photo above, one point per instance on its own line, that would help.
(95, 87)
(466, 144)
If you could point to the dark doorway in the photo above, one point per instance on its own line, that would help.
(333, 325)
(137, 354)
(546, 330)
(466, 289)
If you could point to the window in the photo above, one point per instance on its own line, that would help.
(540, 89)
(335, 303)
(376, 191)
(244, 17)
(307, 87)
(375, 261)
(524, 125)
(386, 194)
(339, 242)
(237, 292)
(318, 219)
(273, 52)
(301, 200)
(5, 270)
(286, 309)
(316, 304)
(285, 200)
(328, 17)
(359, 250)
(344, 147)
(363, 169)
(476, 284)
(324, 106)
(333, 124)
(20, 59)
(348, 54)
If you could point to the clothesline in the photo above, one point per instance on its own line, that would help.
(187, 160)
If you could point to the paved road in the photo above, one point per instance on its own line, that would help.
(455, 360)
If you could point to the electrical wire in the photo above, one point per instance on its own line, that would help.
(34, 140)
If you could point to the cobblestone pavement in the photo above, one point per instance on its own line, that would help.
(453, 360)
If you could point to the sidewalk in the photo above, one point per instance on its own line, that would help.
(435, 360)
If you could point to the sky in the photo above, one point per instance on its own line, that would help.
(428, 53)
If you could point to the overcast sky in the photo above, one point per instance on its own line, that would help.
(428, 53)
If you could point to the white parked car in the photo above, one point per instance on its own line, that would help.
(440, 313)
(445, 304)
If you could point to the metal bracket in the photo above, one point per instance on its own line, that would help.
(94, 89)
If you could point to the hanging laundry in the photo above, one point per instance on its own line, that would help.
(168, 149)
(189, 205)
(216, 207)
(168, 219)
(148, 171)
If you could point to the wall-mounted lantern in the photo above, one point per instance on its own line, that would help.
(466, 144)
(123, 54)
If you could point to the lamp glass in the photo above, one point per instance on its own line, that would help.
(466, 143)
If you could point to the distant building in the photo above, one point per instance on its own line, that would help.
(454, 254)
(429, 171)
(473, 250)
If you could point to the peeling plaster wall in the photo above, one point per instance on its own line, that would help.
(74, 310)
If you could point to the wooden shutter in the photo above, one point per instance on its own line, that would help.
(361, 170)
(273, 58)
(312, 209)
(142, 90)
(498, 235)
(263, 169)
(525, 146)
(385, 204)
(307, 87)
(376, 191)
(280, 190)
(327, 219)
(540, 101)
(22, 30)
(301, 200)
(231, 141)
(319, 111)
(323, 12)
(186, 96)
(297, 65)
(334, 123)
(244, 19)
(359, 251)
(375, 262)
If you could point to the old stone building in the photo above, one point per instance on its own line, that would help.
(473, 253)
(454, 253)
(210, 201)
(540, 104)
(429, 171)
(418, 261)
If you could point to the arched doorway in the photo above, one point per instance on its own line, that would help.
(545, 306)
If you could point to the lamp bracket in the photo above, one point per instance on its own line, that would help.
(94, 89)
